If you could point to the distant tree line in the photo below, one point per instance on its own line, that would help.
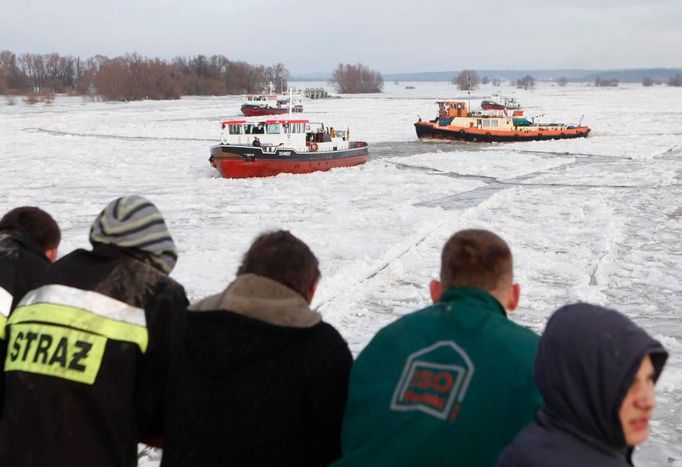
(353, 79)
(133, 77)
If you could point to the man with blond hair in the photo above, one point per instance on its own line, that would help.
(450, 384)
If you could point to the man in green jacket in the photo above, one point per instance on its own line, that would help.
(451, 384)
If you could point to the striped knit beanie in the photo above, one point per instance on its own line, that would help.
(134, 222)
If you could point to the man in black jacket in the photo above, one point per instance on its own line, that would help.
(87, 346)
(29, 238)
(596, 372)
(258, 379)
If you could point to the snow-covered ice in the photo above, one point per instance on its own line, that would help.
(596, 219)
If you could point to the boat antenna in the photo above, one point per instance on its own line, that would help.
(580, 122)
(469, 90)
(290, 97)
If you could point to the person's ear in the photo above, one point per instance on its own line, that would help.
(51, 255)
(436, 290)
(514, 297)
(311, 292)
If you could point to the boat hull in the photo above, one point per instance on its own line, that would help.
(429, 131)
(248, 161)
(257, 111)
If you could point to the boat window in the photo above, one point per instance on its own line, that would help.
(493, 123)
(235, 129)
(272, 128)
(485, 123)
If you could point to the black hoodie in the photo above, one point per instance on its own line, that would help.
(587, 359)
(257, 379)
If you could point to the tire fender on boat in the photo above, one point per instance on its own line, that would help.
(313, 147)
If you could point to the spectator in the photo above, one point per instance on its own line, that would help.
(29, 238)
(87, 346)
(257, 377)
(451, 384)
(596, 371)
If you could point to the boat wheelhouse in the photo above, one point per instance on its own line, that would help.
(271, 147)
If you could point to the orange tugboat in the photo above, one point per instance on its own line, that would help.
(455, 122)
(271, 147)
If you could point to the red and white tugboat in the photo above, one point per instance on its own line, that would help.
(258, 105)
(455, 122)
(498, 102)
(271, 147)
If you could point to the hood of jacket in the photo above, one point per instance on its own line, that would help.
(11, 240)
(586, 361)
(254, 318)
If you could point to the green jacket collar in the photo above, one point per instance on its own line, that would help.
(470, 294)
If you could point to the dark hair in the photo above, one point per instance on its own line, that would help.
(475, 258)
(284, 258)
(38, 225)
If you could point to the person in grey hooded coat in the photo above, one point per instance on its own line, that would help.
(596, 372)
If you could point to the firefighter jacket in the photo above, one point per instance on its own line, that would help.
(86, 359)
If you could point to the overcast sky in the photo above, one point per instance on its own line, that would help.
(389, 36)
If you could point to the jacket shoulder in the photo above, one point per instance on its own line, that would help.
(536, 446)
(331, 340)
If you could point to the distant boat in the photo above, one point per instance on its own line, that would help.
(454, 122)
(271, 147)
(258, 105)
(409, 87)
(498, 102)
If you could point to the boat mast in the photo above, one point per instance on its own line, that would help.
(469, 90)
(290, 97)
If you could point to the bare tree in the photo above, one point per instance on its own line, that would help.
(278, 75)
(647, 82)
(467, 80)
(675, 80)
(353, 79)
(527, 82)
(562, 81)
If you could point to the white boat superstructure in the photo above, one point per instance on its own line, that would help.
(300, 135)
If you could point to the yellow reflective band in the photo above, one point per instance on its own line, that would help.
(55, 351)
(81, 319)
(3, 323)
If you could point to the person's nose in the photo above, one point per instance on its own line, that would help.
(647, 397)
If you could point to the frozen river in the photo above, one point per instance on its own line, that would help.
(596, 219)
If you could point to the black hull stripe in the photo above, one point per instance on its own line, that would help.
(436, 133)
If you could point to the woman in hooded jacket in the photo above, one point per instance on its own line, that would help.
(596, 372)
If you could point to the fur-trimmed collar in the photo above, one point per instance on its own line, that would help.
(263, 299)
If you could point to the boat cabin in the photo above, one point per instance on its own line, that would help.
(257, 98)
(452, 109)
(298, 134)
